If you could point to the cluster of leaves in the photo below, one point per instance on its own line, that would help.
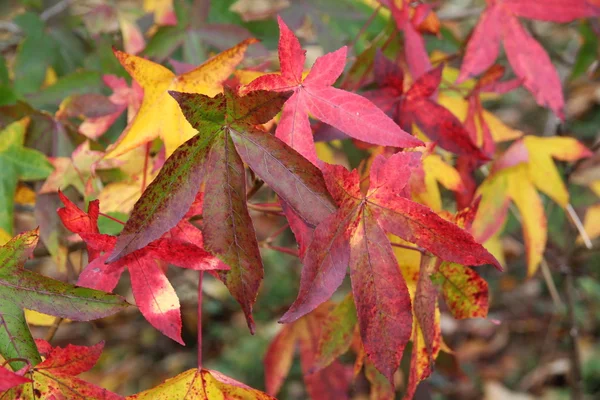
(200, 142)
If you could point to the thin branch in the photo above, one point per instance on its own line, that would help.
(258, 183)
(53, 328)
(280, 249)
(112, 218)
(200, 319)
(558, 304)
(577, 221)
(145, 171)
(576, 374)
(407, 247)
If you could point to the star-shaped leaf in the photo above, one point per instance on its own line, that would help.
(228, 137)
(314, 95)
(523, 169)
(159, 115)
(21, 288)
(355, 235)
(152, 291)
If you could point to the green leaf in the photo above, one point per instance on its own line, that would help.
(337, 332)
(588, 52)
(17, 163)
(76, 83)
(20, 288)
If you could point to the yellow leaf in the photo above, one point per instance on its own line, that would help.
(591, 223)
(437, 170)
(50, 78)
(459, 107)
(159, 114)
(246, 76)
(543, 172)
(523, 194)
(37, 318)
(201, 384)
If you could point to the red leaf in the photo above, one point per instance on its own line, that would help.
(382, 300)
(529, 60)
(349, 112)
(71, 360)
(153, 294)
(380, 293)
(484, 44)
(9, 379)
(552, 10)
(532, 64)
(439, 124)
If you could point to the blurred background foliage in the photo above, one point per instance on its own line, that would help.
(52, 50)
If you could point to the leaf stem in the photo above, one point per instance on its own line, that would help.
(53, 328)
(112, 218)
(200, 319)
(145, 170)
(285, 250)
(404, 246)
(258, 183)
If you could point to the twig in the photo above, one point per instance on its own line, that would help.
(145, 171)
(258, 183)
(576, 375)
(558, 304)
(53, 328)
(414, 248)
(112, 218)
(577, 221)
(200, 319)
(280, 249)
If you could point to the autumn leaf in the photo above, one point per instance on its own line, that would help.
(414, 44)
(56, 376)
(517, 175)
(200, 384)
(9, 379)
(152, 291)
(159, 114)
(228, 137)
(17, 163)
(322, 382)
(314, 95)
(78, 171)
(21, 288)
(500, 23)
(123, 98)
(355, 235)
(416, 107)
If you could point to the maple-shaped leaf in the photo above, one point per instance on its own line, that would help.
(17, 163)
(56, 376)
(322, 382)
(523, 169)
(78, 170)
(416, 107)
(201, 384)
(314, 95)
(499, 23)
(355, 235)
(123, 98)
(228, 137)
(159, 115)
(152, 291)
(21, 288)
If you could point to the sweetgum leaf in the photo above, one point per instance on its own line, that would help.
(20, 288)
(228, 129)
(357, 230)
